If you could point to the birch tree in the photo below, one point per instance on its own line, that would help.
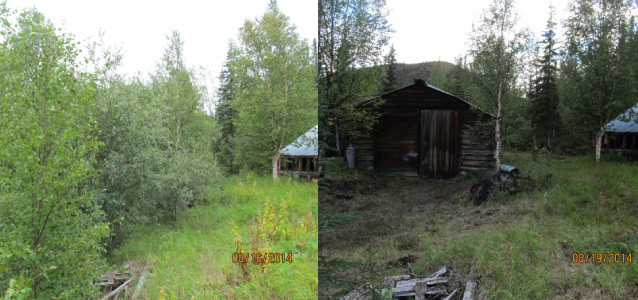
(275, 93)
(495, 46)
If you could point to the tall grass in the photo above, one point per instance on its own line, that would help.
(193, 258)
(521, 244)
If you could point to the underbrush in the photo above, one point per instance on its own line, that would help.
(194, 258)
(521, 245)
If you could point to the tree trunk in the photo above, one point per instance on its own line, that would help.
(275, 166)
(599, 139)
(499, 119)
(175, 210)
(337, 136)
(179, 133)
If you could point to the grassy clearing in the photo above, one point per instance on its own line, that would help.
(193, 258)
(521, 244)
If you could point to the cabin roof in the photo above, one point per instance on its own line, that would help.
(419, 82)
(305, 145)
(625, 122)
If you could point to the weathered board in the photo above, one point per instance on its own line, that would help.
(439, 143)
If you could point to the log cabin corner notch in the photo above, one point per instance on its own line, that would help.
(427, 132)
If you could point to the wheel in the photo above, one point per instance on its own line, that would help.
(480, 191)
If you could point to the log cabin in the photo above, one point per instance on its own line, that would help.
(427, 132)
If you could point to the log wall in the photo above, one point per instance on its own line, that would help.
(477, 143)
(364, 152)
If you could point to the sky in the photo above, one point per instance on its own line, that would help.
(140, 27)
(440, 30)
(425, 30)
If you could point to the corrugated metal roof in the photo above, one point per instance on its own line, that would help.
(626, 122)
(305, 145)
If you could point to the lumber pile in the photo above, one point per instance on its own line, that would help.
(112, 278)
(412, 287)
(433, 286)
(119, 284)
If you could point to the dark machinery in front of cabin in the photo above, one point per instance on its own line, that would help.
(505, 179)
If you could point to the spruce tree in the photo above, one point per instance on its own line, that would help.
(225, 115)
(544, 95)
(390, 79)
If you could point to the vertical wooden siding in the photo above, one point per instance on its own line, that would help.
(439, 143)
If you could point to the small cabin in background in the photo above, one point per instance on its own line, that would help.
(427, 132)
(299, 159)
(622, 134)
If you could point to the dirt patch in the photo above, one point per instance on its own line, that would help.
(379, 212)
(365, 225)
(387, 209)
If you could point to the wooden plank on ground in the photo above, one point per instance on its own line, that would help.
(362, 293)
(408, 291)
(420, 290)
(392, 280)
(140, 283)
(433, 281)
(440, 272)
(117, 290)
(449, 297)
(470, 286)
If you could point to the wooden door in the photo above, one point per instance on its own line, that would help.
(439, 143)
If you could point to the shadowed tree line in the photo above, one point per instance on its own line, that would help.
(554, 92)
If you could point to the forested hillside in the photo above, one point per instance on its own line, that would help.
(433, 72)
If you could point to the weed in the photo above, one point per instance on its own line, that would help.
(248, 213)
